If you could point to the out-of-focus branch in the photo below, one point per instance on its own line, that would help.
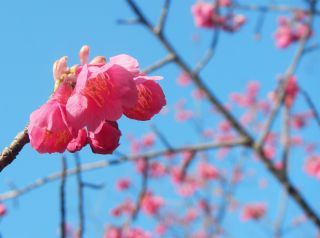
(10, 153)
(163, 17)
(278, 232)
(157, 65)
(281, 90)
(286, 140)
(271, 8)
(143, 191)
(209, 54)
(161, 136)
(80, 186)
(311, 105)
(104, 163)
(62, 198)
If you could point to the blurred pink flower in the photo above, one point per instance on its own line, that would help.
(3, 210)
(123, 184)
(151, 204)
(253, 211)
(207, 171)
(312, 166)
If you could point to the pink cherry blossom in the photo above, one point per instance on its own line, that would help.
(127, 207)
(156, 169)
(105, 138)
(3, 210)
(183, 79)
(225, 3)
(136, 233)
(203, 14)
(253, 211)
(312, 166)
(151, 204)
(123, 184)
(127, 62)
(206, 15)
(290, 31)
(112, 232)
(148, 140)
(207, 171)
(49, 130)
(78, 142)
(161, 229)
(101, 93)
(150, 101)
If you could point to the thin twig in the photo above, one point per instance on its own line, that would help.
(208, 55)
(157, 65)
(62, 198)
(272, 8)
(163, 17)
(286, 140)
(161, 136)
(311, 105)
(281, 90)
(143, 191)
(10, 153)
(80, 186)
(105, 163)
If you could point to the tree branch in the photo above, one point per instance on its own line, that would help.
(104, 163)
(10, 153)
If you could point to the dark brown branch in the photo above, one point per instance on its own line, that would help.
(11, 152)
(62, 198)
(80, 186)
(311, 105)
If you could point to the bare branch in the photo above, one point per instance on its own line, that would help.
(80, 186)
(271, 8)
(10, 153)
(62, 198)
(104, 163)
(208, 55)
(157, 65)
(163, 17)
(311, 105)
(161, 136)
(143, 191)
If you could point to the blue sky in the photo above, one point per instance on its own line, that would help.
(36, 33)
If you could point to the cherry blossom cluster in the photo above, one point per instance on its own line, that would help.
(88, 100)
(291, 30)
(208, 15)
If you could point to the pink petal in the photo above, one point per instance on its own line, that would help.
(105, 139)
(151, 99)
